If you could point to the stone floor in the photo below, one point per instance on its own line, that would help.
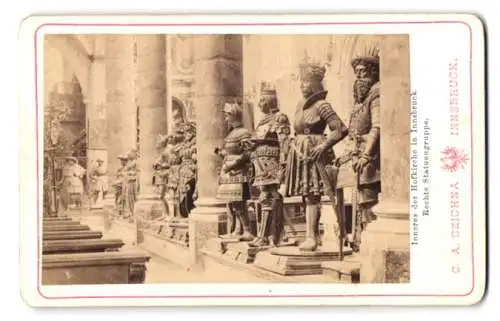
(161, 270)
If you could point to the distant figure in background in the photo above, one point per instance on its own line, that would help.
(71, 184)
(98, 184)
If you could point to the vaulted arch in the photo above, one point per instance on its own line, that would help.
(76, 56)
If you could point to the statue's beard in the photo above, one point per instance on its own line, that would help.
(361, 88)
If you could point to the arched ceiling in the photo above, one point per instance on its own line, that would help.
(75, 51)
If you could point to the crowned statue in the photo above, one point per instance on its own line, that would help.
(362, 156)
(310, 171)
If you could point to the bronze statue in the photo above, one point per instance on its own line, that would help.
(119, 185)
(131, 186)
(188, 169)
(363, 149)
(265, 146)
(310, 171)
(160, 167)
(234, 187)
(172, 181)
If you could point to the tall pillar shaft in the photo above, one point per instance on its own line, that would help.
(151, 95)
(218, 73)
(386, 240)
(121, 105)
(97, 131)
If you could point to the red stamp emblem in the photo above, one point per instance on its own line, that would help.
(453, 159)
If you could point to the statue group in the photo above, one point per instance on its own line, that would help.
(175, 170)
(304, 165)
(278, 165)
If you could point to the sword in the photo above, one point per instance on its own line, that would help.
(355, 191)
(330, 191)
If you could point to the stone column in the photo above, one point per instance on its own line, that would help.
(386, 240)
(151, 94)
(96, 109)
(120, 101)
(218, 60)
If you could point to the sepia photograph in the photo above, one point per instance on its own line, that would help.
(226, 158)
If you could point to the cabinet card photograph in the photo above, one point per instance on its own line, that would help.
(253, 160)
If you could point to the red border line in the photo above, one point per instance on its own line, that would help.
(255, 24)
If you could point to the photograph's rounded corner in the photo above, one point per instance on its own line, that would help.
(30, 25)
(475, 22)
(32, 297)
(477, 295)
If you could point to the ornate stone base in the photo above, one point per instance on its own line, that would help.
(176, 230)
(292, 261)
(137, 273)
(149, 207)
(242, 252)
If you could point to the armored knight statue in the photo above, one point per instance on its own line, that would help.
(265, 147)
(172, 181)
(131, 189)
(234, 187)
(98, 183)
(363, 149)
(119, 185)
(160, 167)
(187, 172)
(310, 171)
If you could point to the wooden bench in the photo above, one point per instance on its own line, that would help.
(71, 235)
(56, 219)
(67, 228)
(61, 223)
(81, 246)
(94, 268)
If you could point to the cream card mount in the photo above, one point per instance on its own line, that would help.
(253, 160)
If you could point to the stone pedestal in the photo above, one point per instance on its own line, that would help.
(175, 230)
(292, 261)
(151, 99)
(219, 79)
(385, 247)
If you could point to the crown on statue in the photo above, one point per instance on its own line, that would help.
(312, 70)
(267, 88)
(370, 55)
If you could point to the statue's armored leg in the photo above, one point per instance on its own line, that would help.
(262, 239)
(357, 229)
(278, 222)
(242, 214)
(236, 229)
(312, 217)
(316, 230)
(163, 194)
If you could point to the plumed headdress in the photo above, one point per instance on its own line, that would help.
(369, 56)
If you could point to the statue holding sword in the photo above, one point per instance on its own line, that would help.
(363, 152)
(310, 170)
